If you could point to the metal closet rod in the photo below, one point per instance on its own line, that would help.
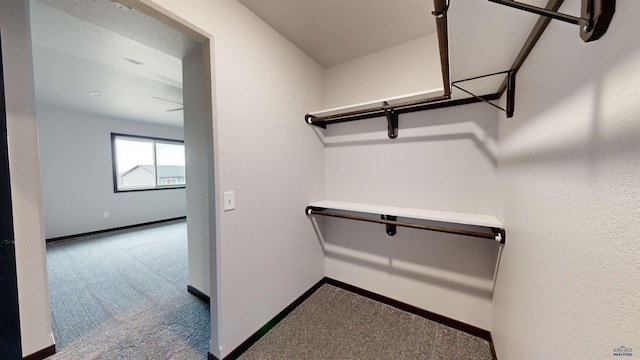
(428, 104)
(594, 20)
(498, 235)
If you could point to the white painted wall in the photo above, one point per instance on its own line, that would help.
(77, 174)
(22, 130)
(267, 251)
(442, 160)
(402, 69)
(569, 169)
(200, 163)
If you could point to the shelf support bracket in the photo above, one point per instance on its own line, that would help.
(391, 229)
(511, 90)
(392, 121)
(511, 93)
(594, 20)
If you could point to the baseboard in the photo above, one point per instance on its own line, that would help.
(67, 237)
(455, 324)
(494, 356)
(199, 294)
(42, 354)
(210, 356)
(269, 325)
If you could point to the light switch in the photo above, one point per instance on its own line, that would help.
(229, 200)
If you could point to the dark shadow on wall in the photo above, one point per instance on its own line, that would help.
(479, 143)
(414, 254)
(450, 124)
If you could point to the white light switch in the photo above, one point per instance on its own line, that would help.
(229, 200)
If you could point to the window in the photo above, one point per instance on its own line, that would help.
(146, 163)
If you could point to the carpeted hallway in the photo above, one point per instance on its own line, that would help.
(122, 295)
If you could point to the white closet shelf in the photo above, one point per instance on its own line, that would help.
(390, 213)
(389, 107)
(392, 101)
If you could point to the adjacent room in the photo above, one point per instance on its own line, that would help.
(111, 137)
(364, 179)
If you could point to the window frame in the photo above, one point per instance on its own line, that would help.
(153, 140)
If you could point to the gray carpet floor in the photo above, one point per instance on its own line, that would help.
(337, 324)
(123, 295)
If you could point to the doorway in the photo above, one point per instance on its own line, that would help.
(198, 136)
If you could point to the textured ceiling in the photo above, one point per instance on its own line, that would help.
(131, 24)
(81, 48)
(335, 31)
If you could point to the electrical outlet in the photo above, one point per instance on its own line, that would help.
(229, 200)
(105, 214)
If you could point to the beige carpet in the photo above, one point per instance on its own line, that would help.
(123, 295)
(336, 324)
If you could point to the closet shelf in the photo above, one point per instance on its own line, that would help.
(389, 214)
(392, 107)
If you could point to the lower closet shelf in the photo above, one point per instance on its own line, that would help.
(494, 229)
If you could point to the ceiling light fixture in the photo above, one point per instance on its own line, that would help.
(95, 94)
(121, 6)
(134, 61)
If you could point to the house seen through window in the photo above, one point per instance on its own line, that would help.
(146, 163)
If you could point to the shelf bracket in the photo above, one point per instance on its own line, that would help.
(392, 121)
(511, 93)
(391, 228)
(594, 20)
(511, 90)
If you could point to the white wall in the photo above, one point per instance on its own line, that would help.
(569, 169)
(402, 69)
(77, 174)
(267, 252)
(33, 293)
(200, 161)
(442, 160)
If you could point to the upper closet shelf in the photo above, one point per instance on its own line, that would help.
(389, 214)
(392, 101)
(388, 107)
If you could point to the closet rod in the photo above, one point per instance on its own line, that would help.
(409, 108)
(595, 16)
(498, 234)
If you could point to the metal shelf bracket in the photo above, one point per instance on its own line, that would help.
(391, 228)
(392, 121)
(511, 90)
(594, 20)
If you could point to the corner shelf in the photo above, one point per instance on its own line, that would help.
(389, 214)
